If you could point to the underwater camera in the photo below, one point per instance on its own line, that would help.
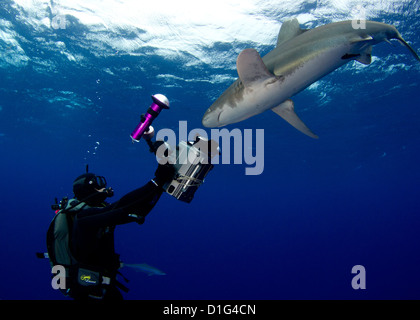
(192, 162)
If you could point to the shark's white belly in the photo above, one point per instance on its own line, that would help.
(268, 94)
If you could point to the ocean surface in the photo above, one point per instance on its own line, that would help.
(75, 77)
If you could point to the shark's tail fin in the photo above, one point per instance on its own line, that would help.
(403, 42)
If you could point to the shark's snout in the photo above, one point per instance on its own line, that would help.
(211, 118)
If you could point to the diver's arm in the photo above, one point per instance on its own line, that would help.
(142, 200)
(138, 202)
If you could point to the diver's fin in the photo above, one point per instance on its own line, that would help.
(286, 110)
(289, 29)
(251, 67)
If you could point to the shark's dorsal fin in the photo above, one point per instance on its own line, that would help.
(286, 110)
(289, 29)
(251, 67)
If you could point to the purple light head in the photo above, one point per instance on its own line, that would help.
(159, 102)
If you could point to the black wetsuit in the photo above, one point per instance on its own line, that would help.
(93, 230)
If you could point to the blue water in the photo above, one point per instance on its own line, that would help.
(319, 208)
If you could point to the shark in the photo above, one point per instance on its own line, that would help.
(144, 267)
(301, 57)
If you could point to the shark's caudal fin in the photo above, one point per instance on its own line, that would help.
(143, 267)
(403, 42)
(286, 110)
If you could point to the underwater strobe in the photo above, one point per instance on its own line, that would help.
(159, 102)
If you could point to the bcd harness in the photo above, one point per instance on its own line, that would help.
(59, 253)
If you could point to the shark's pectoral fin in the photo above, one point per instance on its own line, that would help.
(286, 110)
(251, 67)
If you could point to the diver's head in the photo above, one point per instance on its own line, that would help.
(91, 189)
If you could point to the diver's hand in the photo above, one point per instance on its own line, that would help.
(164, 173)
(109, 192)
(161, 149)
(137, 218)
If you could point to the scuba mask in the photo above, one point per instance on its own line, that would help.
(87, 186)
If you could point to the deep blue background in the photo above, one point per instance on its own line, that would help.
(294, 232)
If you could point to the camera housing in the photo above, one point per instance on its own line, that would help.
(192, 162)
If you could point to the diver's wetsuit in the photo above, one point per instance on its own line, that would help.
(93, 228)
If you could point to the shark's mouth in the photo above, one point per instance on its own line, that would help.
(218, 117)
(212, 119)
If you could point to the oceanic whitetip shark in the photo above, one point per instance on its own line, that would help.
(144, 267)
(300, 58)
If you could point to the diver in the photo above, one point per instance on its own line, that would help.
(91, 231)
(80, 238)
